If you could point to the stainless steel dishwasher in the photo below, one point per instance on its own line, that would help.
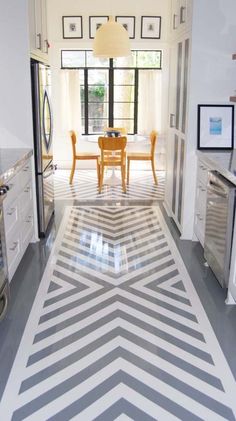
(219, 225)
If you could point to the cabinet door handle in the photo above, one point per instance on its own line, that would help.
(39, 44)
(27, 190)
(174, 21)
(199, 217)
(46, 43)
(15, 245)
(182, 14)
(11, 211)
(172, 120)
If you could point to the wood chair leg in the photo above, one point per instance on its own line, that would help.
(123, 178)
(154, 173)
(101, 178)
(128, 168)
(72, 171)
(98, 171)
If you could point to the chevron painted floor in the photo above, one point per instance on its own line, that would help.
(85, 187)
(117, 331)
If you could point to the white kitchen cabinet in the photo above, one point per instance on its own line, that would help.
(201, 199)
(38, 29)
(18, 216)
(176, 139)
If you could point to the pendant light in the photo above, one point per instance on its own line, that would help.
(111, 40)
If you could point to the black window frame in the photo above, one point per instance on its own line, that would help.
(111, 69)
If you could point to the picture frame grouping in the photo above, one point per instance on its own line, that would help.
(72, 26)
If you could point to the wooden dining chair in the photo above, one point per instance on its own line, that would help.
(80, 156)
(112, 155)
(140, 156)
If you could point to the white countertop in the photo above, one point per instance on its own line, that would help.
(223, 162)
(10, 160)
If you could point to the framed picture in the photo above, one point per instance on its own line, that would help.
(94, 23)
(128, 23)
(215, 126)
(72, 27)
(151, 27)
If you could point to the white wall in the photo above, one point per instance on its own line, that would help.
(212, 79)
(86, 8)
(15, 93)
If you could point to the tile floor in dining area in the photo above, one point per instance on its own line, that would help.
(85, 186)
(127, 322)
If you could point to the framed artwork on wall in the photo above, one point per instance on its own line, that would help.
(72, 27)
(94, 23)
(215, 126)
(128, 23)
(151, 27)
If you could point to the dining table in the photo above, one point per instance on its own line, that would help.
(138, 139)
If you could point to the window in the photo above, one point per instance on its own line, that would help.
(109, 87)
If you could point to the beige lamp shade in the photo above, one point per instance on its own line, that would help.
(111, 40)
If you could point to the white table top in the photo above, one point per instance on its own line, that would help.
(130, 138)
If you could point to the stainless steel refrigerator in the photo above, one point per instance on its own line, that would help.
(43, 132)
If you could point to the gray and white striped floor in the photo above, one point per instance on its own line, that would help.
(117, 330)
(85, 187)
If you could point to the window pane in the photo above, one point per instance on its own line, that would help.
(123, 110)
(123, 93)
(129, 61)
(81, 93)
(149, 59)
(98, 93)
(83, 125)
(96, 61)
(82, 109)
(124, 77)
(127, 124)
(99, 110)
(73, 58)
(98, 77)
(97, 126)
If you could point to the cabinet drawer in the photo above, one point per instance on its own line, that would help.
(14, 188)
(11, 217)
(26, 196)
(200, 227)
(13, 254)
(201, 197)
(202, 173)
(25, 174)
(27, 228)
